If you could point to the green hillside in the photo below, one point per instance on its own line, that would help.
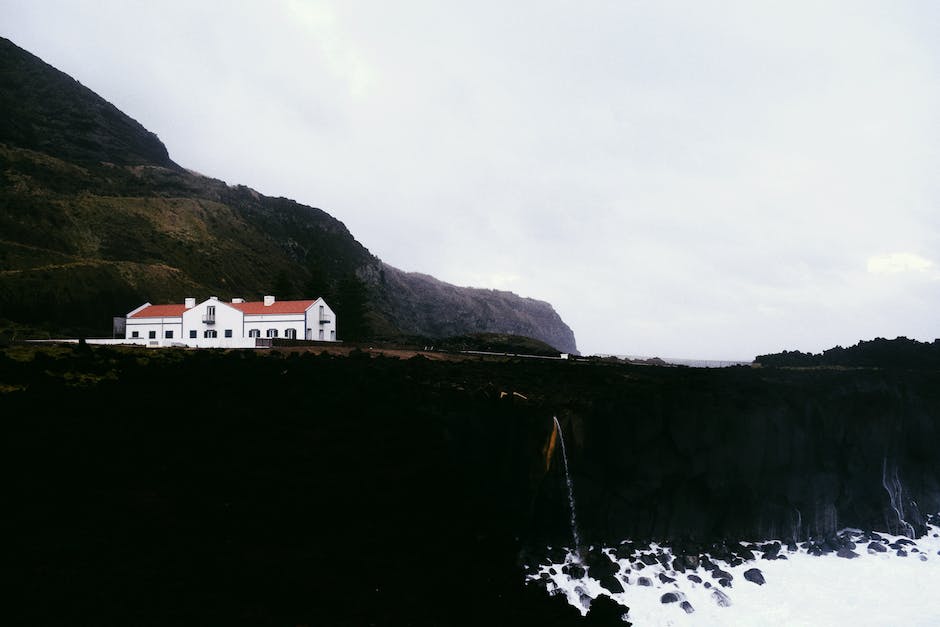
(95, 219)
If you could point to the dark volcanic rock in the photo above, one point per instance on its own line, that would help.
(687, 607)
(670, 597)
(754, 575)
(876, 547)
(695, 578)
(847, 553)
(575, 571)
(644, 581)
(722, 599)
(663, 577)
(721, 574)
(611, 584)
(771, 550)
(599, 565)
(604, 611)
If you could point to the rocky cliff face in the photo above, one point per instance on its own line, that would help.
(424, 305)
(48, 111)
(97, 219)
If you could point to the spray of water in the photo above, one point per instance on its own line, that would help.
(574, 520)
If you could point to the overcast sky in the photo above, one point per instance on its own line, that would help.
(680, 179)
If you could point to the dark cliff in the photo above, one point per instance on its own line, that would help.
(415, 483)
(96, 219)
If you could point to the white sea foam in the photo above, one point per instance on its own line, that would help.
(874, 589)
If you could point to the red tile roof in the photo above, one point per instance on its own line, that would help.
(160, 311)
(278, 307)
(252, 309)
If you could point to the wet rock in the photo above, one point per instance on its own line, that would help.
(742, 552)
(687, 607)
(771, 551)
(691, 561)
(901, 553)
(611, 584)
(847, 553)
(604, 611)
(678, 565)
(724, 582)
(922, 557)
(754, 575)
(649, 559)
(670, 597)
(876, 547)
(644, 581)
(721, 574)
(575, 571)
(695, 578)
(639, 565)
(599, 565)
(708, 585)
(626, 550)
(663, 577)
(722, 599)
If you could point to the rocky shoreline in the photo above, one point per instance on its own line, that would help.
(604, 581)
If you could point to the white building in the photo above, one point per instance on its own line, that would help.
(237, 324)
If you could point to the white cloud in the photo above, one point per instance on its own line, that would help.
(896, 263)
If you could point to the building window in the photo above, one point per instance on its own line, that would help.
(210, 333)
(168, 335)
(333, 335)
(228, 333)
(271, 333)
(135, 334)
(254, 333)
(152, 335)
(321, 334)
(290, 334)
(192, 333)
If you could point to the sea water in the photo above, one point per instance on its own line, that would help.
(873, 589)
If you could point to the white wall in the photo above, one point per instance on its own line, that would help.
(280, 322)
(143, 327)
(226, 318)
(313, 321)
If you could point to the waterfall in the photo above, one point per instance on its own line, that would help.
(895, 492)
(574, 520)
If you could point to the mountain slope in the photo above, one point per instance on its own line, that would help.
(95, 219)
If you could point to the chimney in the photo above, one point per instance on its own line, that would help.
(235, 301)
(214, 298)
(189, 303)
(268, 301)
